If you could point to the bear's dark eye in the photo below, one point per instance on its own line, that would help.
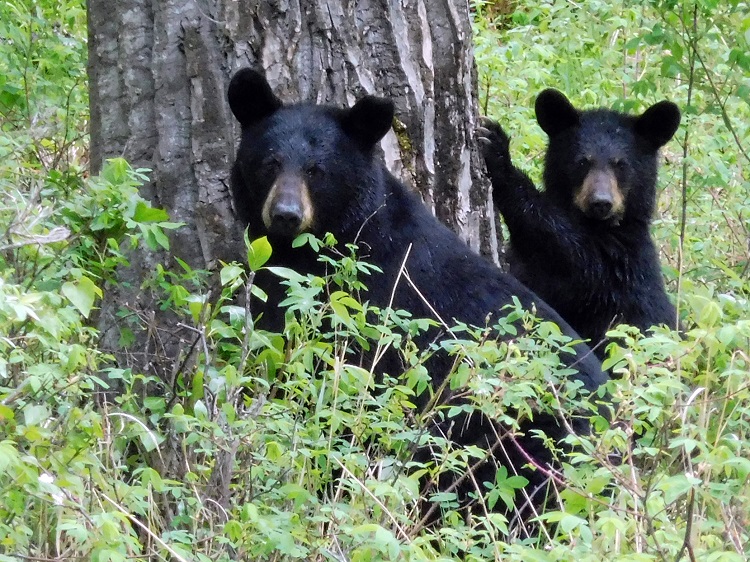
(313, 170)
(619, 164)
(584, 163)
(271, 163)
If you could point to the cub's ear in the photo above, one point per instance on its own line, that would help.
(554, 112)
(250, 97)
(368, 120)
(658, 123)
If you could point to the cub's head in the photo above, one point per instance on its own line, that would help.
(303, 167)
(602, 162)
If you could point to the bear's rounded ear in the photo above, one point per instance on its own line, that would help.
(368, 120)
(659, 123)
(554, 112)
(250, 97)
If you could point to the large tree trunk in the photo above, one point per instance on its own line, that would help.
(335, 52)
(158, 73)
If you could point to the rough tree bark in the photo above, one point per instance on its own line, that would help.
(158, 72)
(335, 52)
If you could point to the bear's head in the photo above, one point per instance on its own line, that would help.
(603, 162)
(304, 167)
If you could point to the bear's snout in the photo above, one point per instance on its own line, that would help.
(288, 210)
(600, 196)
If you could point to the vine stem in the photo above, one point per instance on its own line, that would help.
(692, 55)
(688, 531)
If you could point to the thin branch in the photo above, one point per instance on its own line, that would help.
(134, 520)
(404, 535)
(686, 544)
(724, 115)
(693, 52)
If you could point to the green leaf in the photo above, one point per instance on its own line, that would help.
(258, 293)
(160, 238)
(146, 213)
(570, 522)
(306, 238)
(196, 390)
(8, 456)
(127, 337)
(155, 403)
(286, 273)
(150, 476)
(115, 170)
(35, 414)
(258, 253)
(200, 410)
(677, 486)
(171, 225)
(710, 314)
(6, 414)
(233, 530)
(82, 294)
(230, 273)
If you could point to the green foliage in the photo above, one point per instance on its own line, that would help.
(318, 447)
(675, 495)
(628, 56)
(56, 459)
(286, 446)
(43, 97)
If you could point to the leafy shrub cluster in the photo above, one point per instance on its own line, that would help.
(285, 446)
(680, 497)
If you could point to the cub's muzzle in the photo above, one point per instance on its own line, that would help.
(600, 196)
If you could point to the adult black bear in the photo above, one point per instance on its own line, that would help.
(583, 244)
(312, 168)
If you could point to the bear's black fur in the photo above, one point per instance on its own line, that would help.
(313, 168)
(583, 244)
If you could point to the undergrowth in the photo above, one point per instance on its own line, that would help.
(289, 446)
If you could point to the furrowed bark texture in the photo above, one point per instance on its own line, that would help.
(418, 53)
(158, 73)
(159, 70)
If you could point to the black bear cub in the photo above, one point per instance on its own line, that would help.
(313, 168)
(583, 244)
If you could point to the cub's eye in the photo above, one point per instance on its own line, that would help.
(271, 163)
(584, 163)
(313, 171)
(619, 163)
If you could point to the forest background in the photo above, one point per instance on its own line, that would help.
(217, 467)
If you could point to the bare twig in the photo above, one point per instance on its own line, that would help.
(57, 234)
(404, 535)
(686, 544)
(692, 54)
(134, 520)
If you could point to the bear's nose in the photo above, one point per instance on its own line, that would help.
(287, 210)
(286, 217)
(600, 209)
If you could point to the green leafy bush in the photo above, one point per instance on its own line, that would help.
(285, 446)
(682, 406)
(55, 261)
